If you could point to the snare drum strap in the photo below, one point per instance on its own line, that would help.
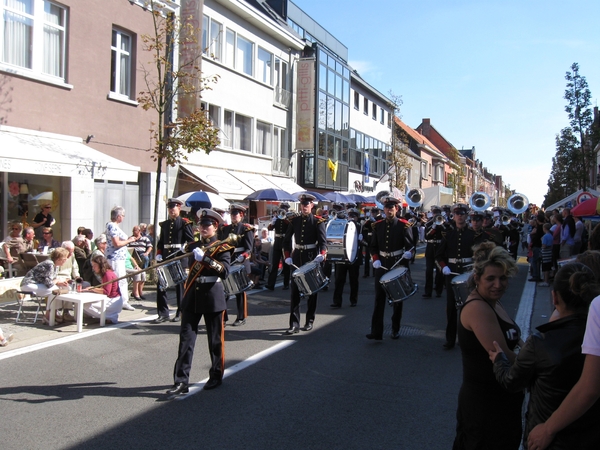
(207, 263)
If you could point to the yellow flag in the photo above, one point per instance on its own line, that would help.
(333, 168)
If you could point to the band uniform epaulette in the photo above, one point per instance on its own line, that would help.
(186, 221)
(404, 221)
(248, 227)
(378, 221)
(320, 219)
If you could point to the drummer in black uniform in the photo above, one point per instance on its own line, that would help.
(350, 268)
(174, 234)
(311, 244)
(391, 241)
(453, 256)
(204, 296)
(279, 224)
(241, 254)
(367, 231)
(435, 231)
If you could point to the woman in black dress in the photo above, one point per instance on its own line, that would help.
(488, 417)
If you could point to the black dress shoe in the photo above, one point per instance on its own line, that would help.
(285, 288)
(426, 295)
(307, 327)
(177, 318)
(365, 276)
(353, 304)
(271, 288)
(293, 330)
(178, 389)
(438, 295)
(395, 335)
(142, 297)
(335, 305)
(372, 336)
(161, 319)
(239, 322)
(448, 346)
(212, 383)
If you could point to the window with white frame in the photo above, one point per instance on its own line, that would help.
(120, 63)
(438, 173)
(263, 69)
(34, 36)
(424, 169)
(212, 32)
(281, 74)
(263, 138)
(230, 48)
(243, 133)
(244, 55)
(281, 157)
(214, 114)
(227, 140)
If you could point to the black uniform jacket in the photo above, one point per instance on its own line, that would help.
(280, 227)
(457, 245)
(174, 232)
(306, 230)
(390, 236)
(201, 295)
(245, 243)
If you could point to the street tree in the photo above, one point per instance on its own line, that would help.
(175, 135)
(399, 160)
(567, 166)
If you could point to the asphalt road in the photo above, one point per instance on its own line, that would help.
(328, 388)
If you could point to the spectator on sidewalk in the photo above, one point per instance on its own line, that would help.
(546, 254)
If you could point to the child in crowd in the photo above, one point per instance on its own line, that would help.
(547, 242)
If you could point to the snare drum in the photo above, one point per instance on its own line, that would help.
(342, 240)
(310, 278)
(237, 281)
(398, 284)
(460, 286)
(170, 275)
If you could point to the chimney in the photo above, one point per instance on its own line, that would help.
(426, 127)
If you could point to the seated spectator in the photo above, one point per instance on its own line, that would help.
(81, 250)
(42, 220)
(69, 272)
(89, 239)
(257, 263)
(5, 339)
(48, 242)
(142, 247)
(42, 279)
(114, 304)
(266, 242)
(13, 246)
(88, 274)
(30, 243)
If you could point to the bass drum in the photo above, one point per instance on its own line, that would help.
(460, 286)
(342, 241)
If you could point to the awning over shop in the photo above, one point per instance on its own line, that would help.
(254, 180)
(39, 153)
(224, 184)
(287, 184)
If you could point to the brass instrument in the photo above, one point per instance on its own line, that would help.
(281, 214)
(480, 201)
(439, 220)
(231, 239)
(379, 196)
(414, 197)
(518, 203)
(505, 220)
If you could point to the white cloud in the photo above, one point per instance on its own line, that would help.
(362, 67)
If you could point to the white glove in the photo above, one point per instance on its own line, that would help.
(289, 261)
(407, 255)
(446, 270)
(434, 226)
(240, 259)
(319, 258)
(360, 237)
(198, 254)
(376, 264)
(159, 258)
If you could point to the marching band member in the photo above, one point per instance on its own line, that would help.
(351, 268)
(390, 242)
(204, 296)
(311, 244)
(241, 254)
(280, 226)
(434, 234)
(454, 253)
(371, 217)
(175, 232)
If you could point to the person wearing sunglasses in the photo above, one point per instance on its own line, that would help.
(42, 220)
(47, 242)
(175, 233)
(453, 256)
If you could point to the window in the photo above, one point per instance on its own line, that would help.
(356, 100)
(263, 138)
(227, 129)
(230, 48)
(381, 116)
(243, 133)
(120, 64)
(366, 106)
(281, 157)
(280, 80)
(424, 170)
(374, 113)
(244, 55)
(263, 69)
(33, 37)
(216, 33)
(389, 120)
(214, 114)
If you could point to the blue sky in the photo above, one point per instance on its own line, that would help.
(488, 73)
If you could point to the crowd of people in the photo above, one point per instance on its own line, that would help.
(559, 364)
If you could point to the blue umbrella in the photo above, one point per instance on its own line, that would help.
(357, 198)
(318, 197)
(337, 197)
(201, 199)
(271, 195)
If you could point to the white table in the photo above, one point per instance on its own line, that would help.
(80, 299)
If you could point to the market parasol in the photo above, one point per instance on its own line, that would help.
(271, 195)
